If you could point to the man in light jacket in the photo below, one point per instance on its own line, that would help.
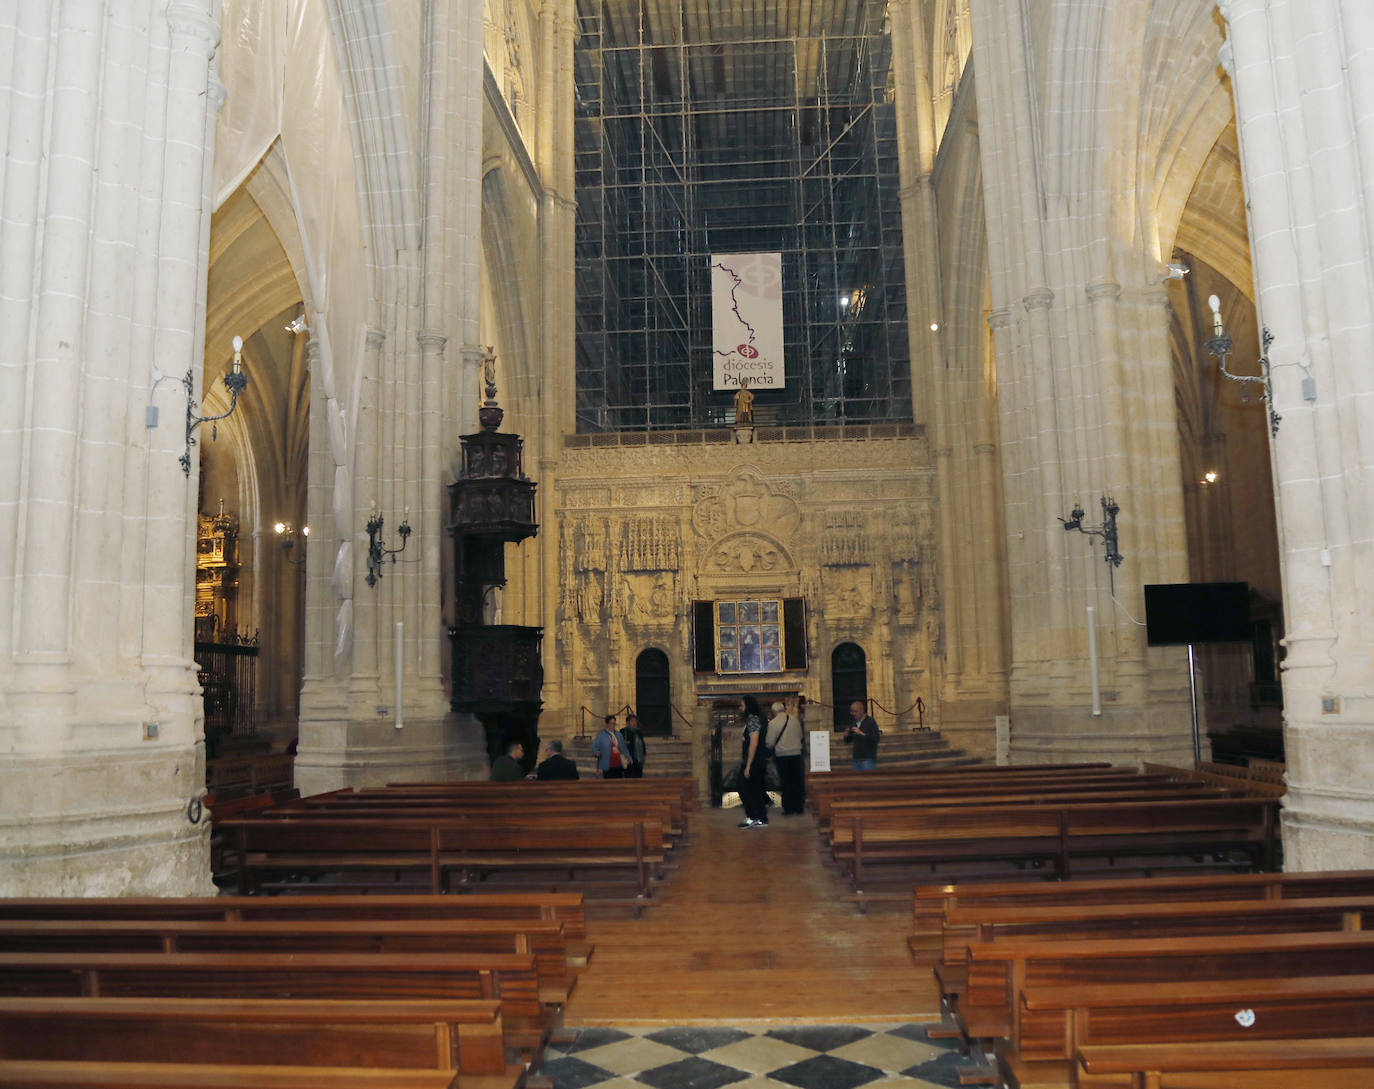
(785, 741)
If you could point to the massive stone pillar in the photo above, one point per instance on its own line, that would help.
(945, 305)
(104, 234)
(1303, 77)
(1084, 386)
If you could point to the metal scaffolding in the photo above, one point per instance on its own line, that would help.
(697, 135)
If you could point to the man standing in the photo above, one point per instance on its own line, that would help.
(506, 767)
(634, 746)
(555, 765)
(785, 741)
(863, 735)
(610, 750)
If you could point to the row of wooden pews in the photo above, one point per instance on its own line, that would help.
(888, 830)
(612, 841)
(297, 991)
(1181, 980)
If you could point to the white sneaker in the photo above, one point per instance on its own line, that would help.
(749, 822)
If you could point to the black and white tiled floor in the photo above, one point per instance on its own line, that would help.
(787, 1057)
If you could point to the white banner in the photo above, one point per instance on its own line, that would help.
(746, 313)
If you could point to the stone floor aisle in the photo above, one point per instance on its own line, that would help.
(873, 1056)
(751, 931)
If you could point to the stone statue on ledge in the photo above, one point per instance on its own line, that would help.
(744, 404)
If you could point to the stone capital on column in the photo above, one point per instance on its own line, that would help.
(376, 338)
(1041, 298)
(999, 319)
(432, 342)
(192, 23)
(1103, 290)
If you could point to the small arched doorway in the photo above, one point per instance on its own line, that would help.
(652, 692)
(848, 679)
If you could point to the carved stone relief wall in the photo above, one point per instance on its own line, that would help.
(847, 526)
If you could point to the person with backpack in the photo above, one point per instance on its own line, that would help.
(785, 743)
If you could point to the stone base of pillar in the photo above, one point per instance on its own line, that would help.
(969, 724)
(1121, 735)
(115, 824)
(1328, 813)
(333, 755)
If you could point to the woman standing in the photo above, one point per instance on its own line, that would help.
(751, 787)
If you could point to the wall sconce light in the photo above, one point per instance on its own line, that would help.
(296, 326)
(1220, 347)
(288, 541)
(377, 551)
(1211, 476)
(235, 381)
(1107, 530)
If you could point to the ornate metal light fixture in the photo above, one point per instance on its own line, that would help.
(377, 551)
(1107, 530)
(235, 381)
(1220, 347)
(287, 534)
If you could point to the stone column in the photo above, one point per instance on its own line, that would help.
(1061, 325)
(1303, 79)
(103, 235)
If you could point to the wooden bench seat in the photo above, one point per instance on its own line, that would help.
(22, 1074)
(1059, 836)
(933, 904)
(562, 907)
(544, 940)
(512, 980)
(449, 850)
(998, 972)
(453, 1034)
(1076, 922)
(1056, 1021)
(1340, 1063)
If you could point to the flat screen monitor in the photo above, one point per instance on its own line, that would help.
(1197, 612)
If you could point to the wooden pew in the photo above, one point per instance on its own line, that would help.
(1059, 835)
(544, 940)
(103, 1075)
(1082, 922)
(998, 972)
(1055, 1022)
(1342, 1063)
(453, 1034)
(442, 848)
(561, 907)
(512, 980)
(933, 904)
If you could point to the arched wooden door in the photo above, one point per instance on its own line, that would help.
(652, 692)
(848, 679)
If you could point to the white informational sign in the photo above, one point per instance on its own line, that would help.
(746, 320)
(820, 750)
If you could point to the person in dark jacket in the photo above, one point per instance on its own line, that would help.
(863, 735)
(555, 765)
(634, 744)
(752, 791)
(506, 767)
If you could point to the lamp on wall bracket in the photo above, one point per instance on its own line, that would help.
(235, 381)
(287, 533)
(1219, 345)
(377, 551)
(1107, 531)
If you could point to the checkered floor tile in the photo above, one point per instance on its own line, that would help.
(789, 1057)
